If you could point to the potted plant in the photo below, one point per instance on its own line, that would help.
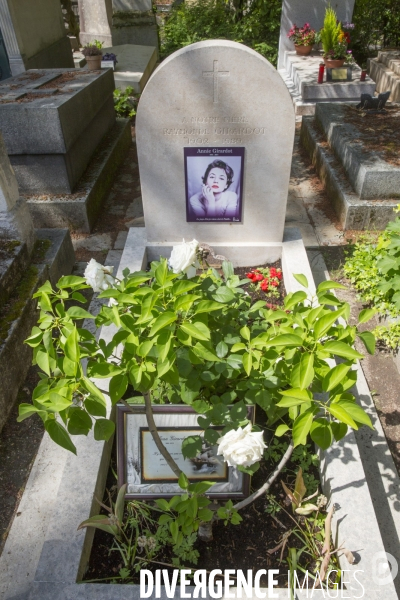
(303, 38)
(93, 53)
(334, 40)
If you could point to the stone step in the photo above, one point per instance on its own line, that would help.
(14, 259)
(352, 211)
(386, 79)
(370, 176)
(80, 210)
(53, 257)
(391, 59)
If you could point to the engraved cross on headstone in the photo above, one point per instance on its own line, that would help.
(215, 74)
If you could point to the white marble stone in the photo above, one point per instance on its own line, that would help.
(308, 11)
(135, 65)
(186, 103)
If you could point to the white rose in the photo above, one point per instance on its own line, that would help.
(98, 277)
(241, 447)
(183, 258)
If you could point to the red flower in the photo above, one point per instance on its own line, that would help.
(279, 274)
(273, 272)
(271, 306)
(250, 276)
(258, 277)
(275, 283)
(264, 286)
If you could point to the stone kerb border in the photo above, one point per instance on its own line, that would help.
(45, 555)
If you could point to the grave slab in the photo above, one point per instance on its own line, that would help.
(369, 174)
(135, 65)
(58, 555)
(192, 101)
(300, 74)
(352, 211)
(52, 120)
(79, 211)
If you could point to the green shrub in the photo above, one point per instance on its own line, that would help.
(377, 25)
(215, 19)
(125, 102)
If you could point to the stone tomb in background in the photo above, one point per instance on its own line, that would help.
(193, 100)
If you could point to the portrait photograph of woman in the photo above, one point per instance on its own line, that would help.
(214, 184)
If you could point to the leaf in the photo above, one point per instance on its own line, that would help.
(77, 312)
(290, 494)
(281, 429)
(368, 339)
(288, 339)
(79, 422)
(223, 294)
(329, 285)
(306, 509)
(185, 302)
(247, 362)
(120, 503)
(161, 273)
(299, 488)
(221, 349)
(71, 347)
(303, 373)
(182, 287)
(296, 298)
(205, 515)
(183, 481)
(118, 387)
(59, 435)
(328, 529)
(100, 522)
(245, 333)
(302, 279)
(71, 281)
(325, 323)
(103, 370)
(366, 314)
(163, 320)
(349, 555)
(206, 306)
(340, 413)
(334, 377)
(339, 430)
(27, 410)
(42, 359)
(35, 338)
(103, 429)
(342, 349)
(202, 351)
(191, 446)
(302, 426)
(356, 412)
(197, 330)
(321, 433)
(227, 268)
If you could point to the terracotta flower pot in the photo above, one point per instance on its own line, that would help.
(334, 64)
(303, 50)
(93, 62)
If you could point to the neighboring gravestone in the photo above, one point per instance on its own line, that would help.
(118, 22)
(193, 112)
(15, 220)
(34, 35)
(307, 11)
(52, 122)
(95, 18)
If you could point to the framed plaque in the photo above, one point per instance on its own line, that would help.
(214, 184)
(145, 471)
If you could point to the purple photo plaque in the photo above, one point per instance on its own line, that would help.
(214, 184)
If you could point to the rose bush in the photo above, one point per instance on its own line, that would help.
(98, 276)
(242, 447)
(183, 258)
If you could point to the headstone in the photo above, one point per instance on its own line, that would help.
(118, 22)
(34, 35)
(95, 19)
(52, 122)
(307, 11)
(194, 110)
(15, 220)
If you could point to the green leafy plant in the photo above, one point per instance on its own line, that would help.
(331, 31)
(374, 270)
(93, 48)
(125, 102)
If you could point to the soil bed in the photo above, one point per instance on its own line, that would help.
(379, 132)
(248, 545)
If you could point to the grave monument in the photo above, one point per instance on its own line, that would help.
(192, 102)
(54, 122)
(34, 35)
(21, 272)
